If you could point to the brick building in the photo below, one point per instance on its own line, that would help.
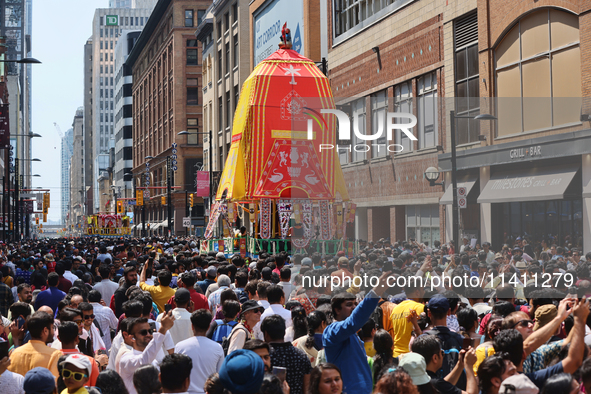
(385, 57)
(527, 173)
(166, 68)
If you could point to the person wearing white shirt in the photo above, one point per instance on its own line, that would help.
(276, 300)
(104, 317)
(285, 276)
(207, 355)
(145, 348)
(175, 374)
(10, 382)
(106, 286)
(68, 274)
(182, 328)
(88, 316)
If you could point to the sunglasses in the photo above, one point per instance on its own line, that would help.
(523, 323)
(79, 322)
(77, 376)
(88, 317)
(145, 332)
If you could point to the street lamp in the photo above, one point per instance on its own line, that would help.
(168, 190)
(432, 175)
(17, 182)
(210, 136)
(454, 170)
(30, 135)
(24, 60)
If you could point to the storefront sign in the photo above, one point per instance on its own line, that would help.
(525, 153)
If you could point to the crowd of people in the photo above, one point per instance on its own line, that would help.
(155, 315)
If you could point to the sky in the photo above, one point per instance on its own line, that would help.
(60, 30)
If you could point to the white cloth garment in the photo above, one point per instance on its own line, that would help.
(207, 356)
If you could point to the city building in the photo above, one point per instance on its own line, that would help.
(108, 23)
(87, 130)
(77, 195)
(67, 149)
(527, 174)
(167, 86)
(123, 115)
(224, 36)
(132, 3)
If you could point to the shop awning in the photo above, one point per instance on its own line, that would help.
(536, 184)
(466, 181)
(155, 226)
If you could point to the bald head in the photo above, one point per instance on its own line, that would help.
(76, 300)
(47, 309)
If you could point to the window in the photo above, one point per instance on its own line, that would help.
(101, 71)
(235, 12)
(427, 110)
(192, 96)
(236, 97)
(351, 13)
(228, 58)
(227, 20)
(236, 50)
(142, 20)
(220, 71)
(359, 146)
(193, 128)
(466, 75)
(422, 223)
(200, 15)
(101, 45)
(101, 21)
(403, 103)
(228, 110)
(220, 114)
(192, 57)
(131, 21)
(219, 29)
(101, 33)
(188, 18)
(538, 73)
(379, 107)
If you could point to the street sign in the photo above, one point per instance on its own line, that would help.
(462, 192)
(462, 202)
(186, 222)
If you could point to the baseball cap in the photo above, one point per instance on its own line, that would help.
(39, 381)
(545, 314)
(212, 271)
(78, 360)
(182, 296)
(518, 384)
(415, 365)
(307, 261)
(438, 303)
(220, 255)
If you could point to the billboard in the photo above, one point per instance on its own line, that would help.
(112, 20)
(268, 22)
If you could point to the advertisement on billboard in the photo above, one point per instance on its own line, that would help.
(268, 22)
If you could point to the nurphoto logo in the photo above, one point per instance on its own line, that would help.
(393, 122)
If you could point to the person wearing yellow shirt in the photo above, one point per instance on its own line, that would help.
(161, 293)
(402, 326)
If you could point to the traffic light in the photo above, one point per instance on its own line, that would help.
(46, 200)
(191, 199)
(37, 220)
(139, 197)
(119, 206)
(162, 200)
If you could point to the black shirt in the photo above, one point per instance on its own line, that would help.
(295, 361)
(443, 386)
(449, 340)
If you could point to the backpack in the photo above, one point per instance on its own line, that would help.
(226, 340)
(222, 330)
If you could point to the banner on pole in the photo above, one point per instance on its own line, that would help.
(202, 184)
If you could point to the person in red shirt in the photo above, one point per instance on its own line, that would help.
(50, 262)
(187, 280)
(63, 284)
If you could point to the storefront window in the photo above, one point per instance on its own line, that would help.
(422, 223)
(560, 222)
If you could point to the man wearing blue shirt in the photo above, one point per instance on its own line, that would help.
(52, 296)
(341, 344)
